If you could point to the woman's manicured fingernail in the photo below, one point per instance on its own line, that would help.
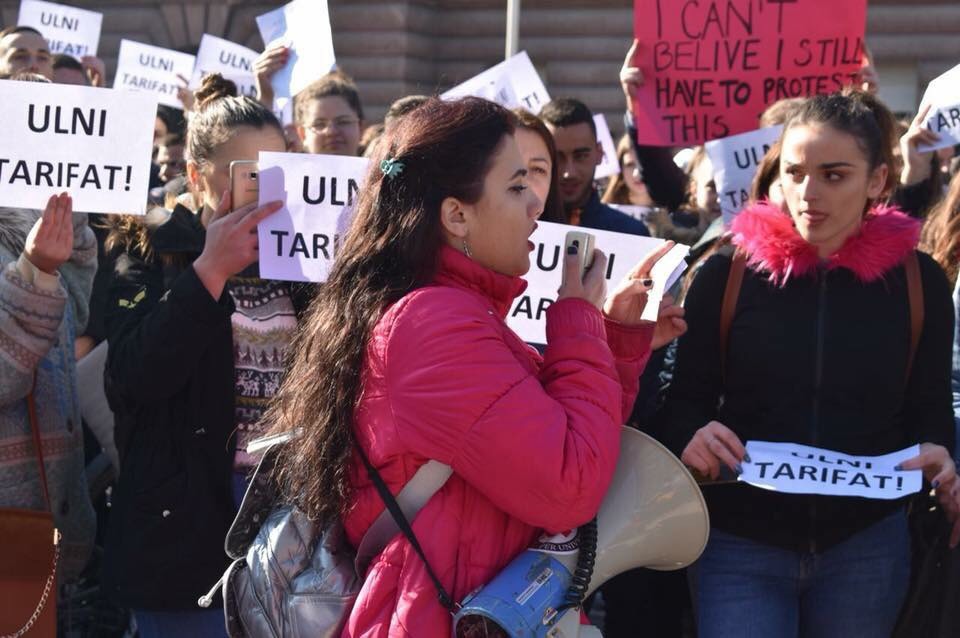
(739, 469)
(746, 458)
(898, 467)
(647, 282)
(571, 250)
(935, 484)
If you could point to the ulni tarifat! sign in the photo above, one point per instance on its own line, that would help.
(94, 144)
(299, 242)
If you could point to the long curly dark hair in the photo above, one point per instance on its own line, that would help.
(391, 248)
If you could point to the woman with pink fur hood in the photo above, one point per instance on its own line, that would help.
(817, 354)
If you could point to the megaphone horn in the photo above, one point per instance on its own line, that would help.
(653, 516)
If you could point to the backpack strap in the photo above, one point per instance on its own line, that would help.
(731, 293)
(401, 521)
(915, 296)
(428, 480)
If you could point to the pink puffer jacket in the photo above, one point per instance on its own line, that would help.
(532, 441)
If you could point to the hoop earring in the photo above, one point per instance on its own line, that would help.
(466, 249)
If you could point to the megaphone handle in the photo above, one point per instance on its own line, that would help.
(583, 573)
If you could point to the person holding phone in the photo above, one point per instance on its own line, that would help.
(819, 354)
(406, 354)
(197, 347)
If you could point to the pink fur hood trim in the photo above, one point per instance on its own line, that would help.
(768, 237)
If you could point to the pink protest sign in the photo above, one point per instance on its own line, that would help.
(712, 66)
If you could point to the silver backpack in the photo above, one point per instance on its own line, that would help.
(291, 579)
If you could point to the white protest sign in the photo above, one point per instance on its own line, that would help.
(92, 143)
(943, 96)
(513, 83)
(231, 60)
(735, 160)
(67, 30)
(154, 70)
(609, 165)
(664, 274)
(298, 242)
(527, 315)
(801, 469)
(304, 27)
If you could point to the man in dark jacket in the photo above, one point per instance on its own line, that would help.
(578, 154)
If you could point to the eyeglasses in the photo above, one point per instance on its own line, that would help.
(338, 123)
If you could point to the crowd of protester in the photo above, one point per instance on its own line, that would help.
(404, 353)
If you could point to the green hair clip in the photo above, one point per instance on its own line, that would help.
(391, 167)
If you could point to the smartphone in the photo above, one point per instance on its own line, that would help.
(244, 183)
(584, 243)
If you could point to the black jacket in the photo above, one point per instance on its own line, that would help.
(170, 382)
(596, 214)
(818, 361)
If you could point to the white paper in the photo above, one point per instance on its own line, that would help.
(298, 242)
(304, 27)
(801, 469)
(92, 143)
(945, 122)
(609, 165)
(664, 274)
(68, 30)
(153, 70)
(528, 313)
(943, 94)
(283, 109)
(231, 60)
(735, 160)
(514, 83)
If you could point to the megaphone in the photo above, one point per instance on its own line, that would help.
(653, 516)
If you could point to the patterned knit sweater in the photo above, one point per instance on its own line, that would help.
(40, 317)
(263, 326)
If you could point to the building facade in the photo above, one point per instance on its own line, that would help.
(425, 46)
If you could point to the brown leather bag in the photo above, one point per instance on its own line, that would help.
(28, 571)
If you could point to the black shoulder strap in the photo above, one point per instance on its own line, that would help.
(394, 508)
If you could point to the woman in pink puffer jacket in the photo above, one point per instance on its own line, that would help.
(406, 353)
